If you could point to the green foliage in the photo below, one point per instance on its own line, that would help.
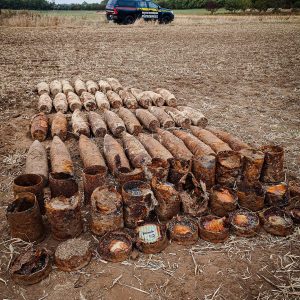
(233, 5)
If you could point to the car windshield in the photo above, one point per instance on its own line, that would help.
(111, 2)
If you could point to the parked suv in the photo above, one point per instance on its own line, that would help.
(128, 11)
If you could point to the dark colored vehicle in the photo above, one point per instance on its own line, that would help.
(128, 11)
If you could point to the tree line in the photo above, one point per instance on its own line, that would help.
(212, 5)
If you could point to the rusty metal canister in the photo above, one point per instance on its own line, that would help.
(272, 170)
(277, 194)
(64, 216)
(39, 127)
(31, 183)
(24, 218)
(124, 175)
(106, 210)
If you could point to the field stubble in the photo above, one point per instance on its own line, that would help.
(242, 72)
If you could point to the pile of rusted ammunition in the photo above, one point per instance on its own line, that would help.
(161, 176)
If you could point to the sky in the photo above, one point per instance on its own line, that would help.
(76, 1)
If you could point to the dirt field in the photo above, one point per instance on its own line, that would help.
(243, 73)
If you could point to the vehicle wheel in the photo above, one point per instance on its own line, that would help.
(165, 20)
(129, 20)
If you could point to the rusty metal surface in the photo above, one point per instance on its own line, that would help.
(39, 127)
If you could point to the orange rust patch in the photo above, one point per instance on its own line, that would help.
(181, 229)
(241, 220)
(225, 196)
(278, 189)
(216, 225)
(116, 246)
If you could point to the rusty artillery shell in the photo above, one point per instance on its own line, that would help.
(228, 167)
(102, 101)
(194, 200)
(79, 86)
(183, 230)
(213, 229)
(88, 100)
(114, 123)
(135, 151)
(74, 101)
(124, 175)
(64, 216)
(276, 221)
(169, 98)
(251, 197)
(138, 202)
(31, 266)
(209, 139)
(30, 183)
(115, 84)
(60, 103)
(252, 162)
(234, 142)
(80, 124)
(277, 194)
(204, 169)
(59, 126)
(115, 246)
(39, 127)
(197, 147)
(45, 103)
(61, 162)
(24, 218)
(164, 119)
(272, 170)
(181, 165)
(93, 177)
(37, 161)
(156, 98)
(143, 99)
(43, 88)
(128, 99)
(196, 117)
(151, 238)
(132, 124)
(92, 87)
(222, 200)
(178, 117)
(147, 119)
(66, 87)
(244, 223)
(114, 99)
(72, 255)
(55, 87)
(114, 155)
(106, 211)
(104, 86)
(168, 199)
(97, 124)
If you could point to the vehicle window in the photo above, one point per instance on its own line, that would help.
(111, 2)
(142, 4)
(126, 3)
(152, 5)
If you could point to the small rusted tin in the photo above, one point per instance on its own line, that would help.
(276, 221)
(223, 200)
(62, 185)
(31, 183)
(151, 238)
(72, 255)
(244, 223)
(228, 167)
(204, 169)
(213, 229)
(115, 246)
(93, 177)
(272, 170)
(24, 218)
(31, 266)
(106, 211)
(252, 162)
(194, 200)
(39, 127)
(124, 175)
(277, 194)
(64, 216)
(168, 199)
(251, 197)
(183, 230)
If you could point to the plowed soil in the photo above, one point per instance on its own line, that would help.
(243, 73)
